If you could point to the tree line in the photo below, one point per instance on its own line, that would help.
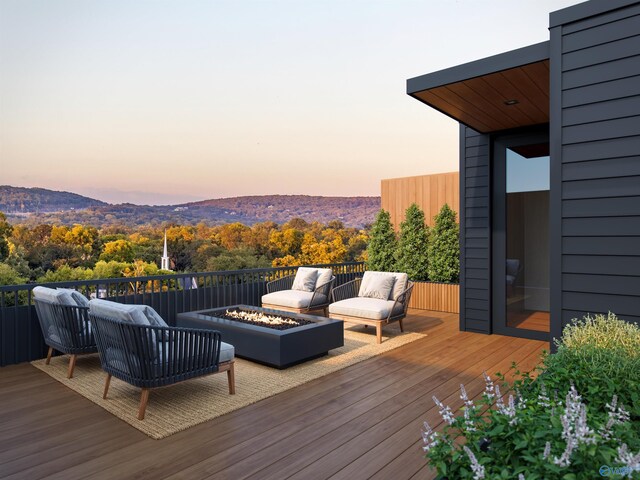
(53, 252)
(423, 253)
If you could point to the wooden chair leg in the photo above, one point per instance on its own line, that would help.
(379, 333)
(144, 399)
(49, 354)
(231, 378)
(401, 326)
(72, 365)
(107, 382)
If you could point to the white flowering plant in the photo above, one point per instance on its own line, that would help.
(544, 427)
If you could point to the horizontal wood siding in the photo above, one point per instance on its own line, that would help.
(475, 232)
(599, 136)
(429, 192)
(441, 297)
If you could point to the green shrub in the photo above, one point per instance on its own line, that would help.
(601, 356)
(383, 244)
(578, 416)
(411, 256)
(444, 247)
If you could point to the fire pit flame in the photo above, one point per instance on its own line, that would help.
(259, 317)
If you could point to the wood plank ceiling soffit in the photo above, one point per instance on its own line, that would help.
(511, 98)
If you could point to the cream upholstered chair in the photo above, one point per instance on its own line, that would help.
(376, 299)
(308, 291)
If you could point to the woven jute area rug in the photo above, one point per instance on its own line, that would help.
(183, 405)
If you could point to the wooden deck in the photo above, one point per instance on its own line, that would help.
(362, 422)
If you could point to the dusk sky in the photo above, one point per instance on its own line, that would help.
(162, 102)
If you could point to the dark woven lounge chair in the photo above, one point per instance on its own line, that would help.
(65, 325)
(149, 356)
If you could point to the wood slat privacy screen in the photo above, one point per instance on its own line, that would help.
(430, 192)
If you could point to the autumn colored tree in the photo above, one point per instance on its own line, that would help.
(287, 242)
(119, 250)
(231, 235)
(180, 244)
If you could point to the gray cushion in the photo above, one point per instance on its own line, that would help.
(376, 285)
(324, 275)
(513, 265)
(370, 308)
(60, 296)
(400, 285)
(77, 297)
(227, 352)
(293, 299)
(137, 314)
(305, 279)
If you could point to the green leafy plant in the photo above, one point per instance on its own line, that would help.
(601, 356)
(411, 255)
(552, 424)
(444, 247)
(382, 244)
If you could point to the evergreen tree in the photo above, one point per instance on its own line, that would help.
(444, 247)
(382, 244)
(411, 255)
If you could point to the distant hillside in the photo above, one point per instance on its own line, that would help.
(353, 211)
(19, 200)
(68, 208)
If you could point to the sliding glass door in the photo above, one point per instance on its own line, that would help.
(521, 236)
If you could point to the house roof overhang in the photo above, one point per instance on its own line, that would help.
(502, 92)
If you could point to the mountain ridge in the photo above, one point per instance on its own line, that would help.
(49, 206)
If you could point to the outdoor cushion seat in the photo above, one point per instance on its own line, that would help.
(309, 290)
(64, 321)
(137, 346)
(294, 299)
(120, 359)
(375, 299)
(372, 308)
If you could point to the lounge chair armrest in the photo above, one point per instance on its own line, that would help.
(324, 289)
(284, 283)
(346, 290)
(403, 299)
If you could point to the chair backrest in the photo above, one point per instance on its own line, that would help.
(65, 324)
(150, 356)
(377, 284)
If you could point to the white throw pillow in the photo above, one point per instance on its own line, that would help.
(305, 279)
(324, 275)
(376, 285)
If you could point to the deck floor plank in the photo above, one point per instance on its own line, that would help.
(360, 422)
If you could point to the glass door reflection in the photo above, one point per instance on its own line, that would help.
(527, 238)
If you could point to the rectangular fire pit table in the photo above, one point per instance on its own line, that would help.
(276, 348)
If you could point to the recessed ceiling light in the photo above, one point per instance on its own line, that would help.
(511, 102)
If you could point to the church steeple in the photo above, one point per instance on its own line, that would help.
(164, 262)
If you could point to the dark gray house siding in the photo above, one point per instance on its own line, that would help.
(595, 150)
(475, 228)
